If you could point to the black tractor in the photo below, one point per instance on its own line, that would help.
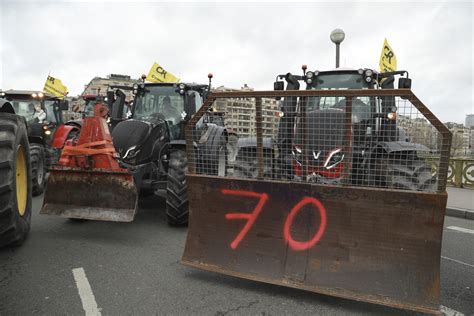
(43, 114)
(382, 154)
(151, 143)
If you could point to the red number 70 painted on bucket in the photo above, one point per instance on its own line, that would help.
(262, 199)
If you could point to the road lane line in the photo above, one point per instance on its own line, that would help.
(85, 292)
(462, 230)
(457, 261)
(450, 312)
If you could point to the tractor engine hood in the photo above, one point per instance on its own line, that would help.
(134, 139)
(324, 139)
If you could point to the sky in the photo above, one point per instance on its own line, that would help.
(240, 43)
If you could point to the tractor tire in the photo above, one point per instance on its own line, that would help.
(246, 164)
(15, 181)
(408, 174)
(38, 168)
(177, 189)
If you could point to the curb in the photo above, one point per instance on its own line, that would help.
(459, 212)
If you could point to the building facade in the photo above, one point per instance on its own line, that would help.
(240, 113)
(99, 86)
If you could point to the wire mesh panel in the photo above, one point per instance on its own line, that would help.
(370, 138)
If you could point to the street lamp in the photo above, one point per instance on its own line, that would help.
(337, 36)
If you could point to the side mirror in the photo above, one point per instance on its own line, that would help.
(117, 106)
(278, 85)
(110, 98)
(404, 83)
(64, 105)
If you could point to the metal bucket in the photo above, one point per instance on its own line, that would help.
(97, 194)
(374, 245)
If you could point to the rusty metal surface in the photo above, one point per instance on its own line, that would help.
(96, 195)
(373, 245)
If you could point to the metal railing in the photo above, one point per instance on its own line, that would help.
(460, 171)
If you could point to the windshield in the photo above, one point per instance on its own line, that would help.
(26, 108)
(341, 81)
(164, 100)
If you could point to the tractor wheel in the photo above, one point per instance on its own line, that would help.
(177, 189)
(15, 181)
(246, 164)
(407, 173)
(38, 168)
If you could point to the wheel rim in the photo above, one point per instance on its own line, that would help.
(40, 171)
(21, 180)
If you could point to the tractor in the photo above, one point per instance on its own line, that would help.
(15, 177)
(382, 154)
(46, 130)
(151, 143)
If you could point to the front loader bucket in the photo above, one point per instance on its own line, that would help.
(97, 194)
(374, 245)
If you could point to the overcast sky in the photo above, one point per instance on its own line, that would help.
(239, 43)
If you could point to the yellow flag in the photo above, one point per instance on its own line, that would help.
(158, 74)
(55, 87)
(388, 59)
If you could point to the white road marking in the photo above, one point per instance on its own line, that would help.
(457, 261)
(85, 292)
(450, 312)
(462, 230)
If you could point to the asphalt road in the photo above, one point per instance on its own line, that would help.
(134, 268)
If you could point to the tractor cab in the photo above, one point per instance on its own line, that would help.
(373, 119)
(42, 111)
(170, 103)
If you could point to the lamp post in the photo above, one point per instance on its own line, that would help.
(337, 36)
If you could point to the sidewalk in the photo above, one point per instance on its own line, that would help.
(460, 203)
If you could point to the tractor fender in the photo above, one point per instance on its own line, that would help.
(61, 135)
(390, 147)
(35, 139)
(252, 142)
(6, 107)
(211, 141)
(76, 123)
(178, 143)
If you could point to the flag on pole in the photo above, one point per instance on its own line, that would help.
(388, 59)
(158, 74)
(55, 87)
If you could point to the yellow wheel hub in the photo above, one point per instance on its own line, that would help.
(21, 180)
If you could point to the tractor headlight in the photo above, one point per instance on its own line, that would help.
(34, 95)
(47, 132)
(309, 74)
(181, 91)
(131, 152)
(182, 86)
(297, 154)
(369, 73)
(334, 158)
(309, 81)
(40, 95)
(2, 94)
(135, 86)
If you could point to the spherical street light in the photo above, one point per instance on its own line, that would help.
(337, 36)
